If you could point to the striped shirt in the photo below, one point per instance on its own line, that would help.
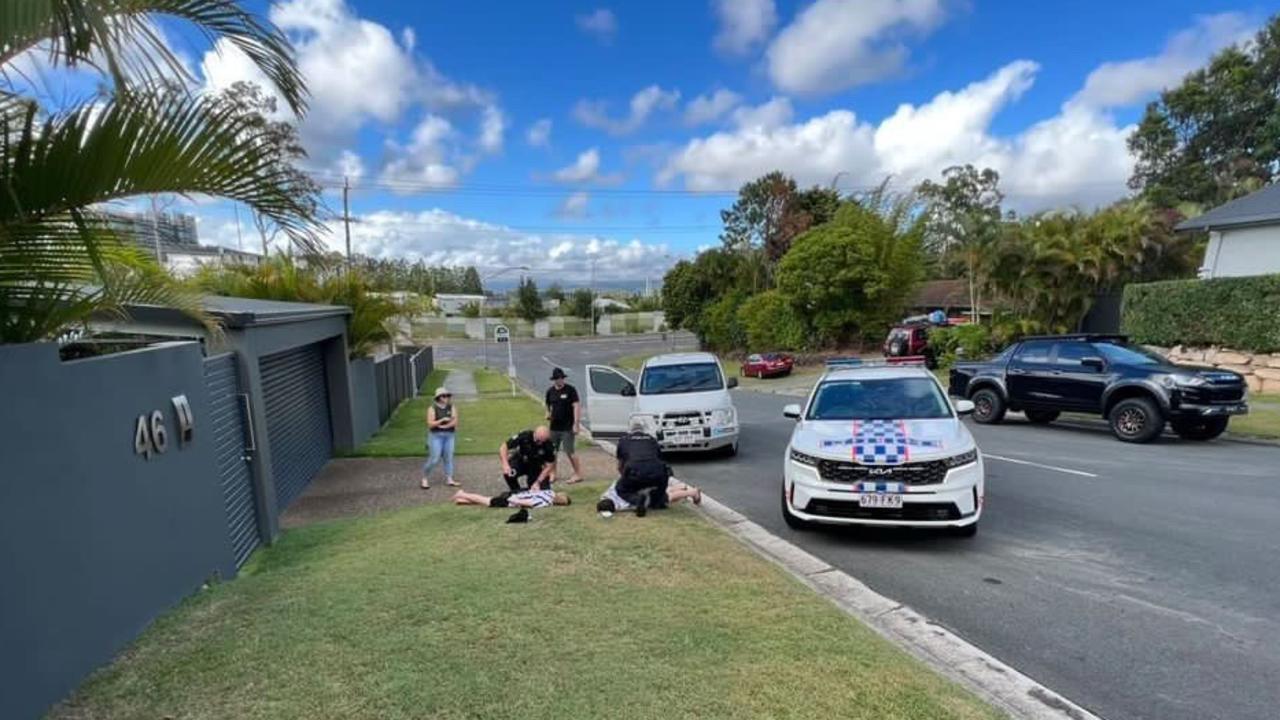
(532, 499)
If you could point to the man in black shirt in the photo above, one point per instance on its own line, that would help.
(529, 454)
(564, 414)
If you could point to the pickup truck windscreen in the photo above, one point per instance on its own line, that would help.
(690, 377)
(879, 399)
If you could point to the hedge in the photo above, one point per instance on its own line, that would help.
(1240, 313)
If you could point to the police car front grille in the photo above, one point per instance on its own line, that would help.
(939, 511)
(918, 473)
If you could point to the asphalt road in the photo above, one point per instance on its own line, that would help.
(1139, 581)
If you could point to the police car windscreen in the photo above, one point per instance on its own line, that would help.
(879, 399)
(690, 377)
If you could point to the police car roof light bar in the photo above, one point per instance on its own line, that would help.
(854, 362)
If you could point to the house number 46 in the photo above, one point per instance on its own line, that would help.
(150, 436)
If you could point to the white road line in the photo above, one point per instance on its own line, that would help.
(548, 361)
(1055, 468)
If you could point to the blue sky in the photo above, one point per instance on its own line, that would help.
(551, 133)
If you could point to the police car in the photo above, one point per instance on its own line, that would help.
(879, 443)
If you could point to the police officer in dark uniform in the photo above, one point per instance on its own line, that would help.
(642, 473)
(529, 454)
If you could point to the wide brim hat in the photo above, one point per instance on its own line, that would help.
(441, 391)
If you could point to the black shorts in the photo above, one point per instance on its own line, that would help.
(501, 500)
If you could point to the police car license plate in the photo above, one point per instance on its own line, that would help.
(881, 500)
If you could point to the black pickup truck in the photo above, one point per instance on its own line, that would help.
(1136, 390)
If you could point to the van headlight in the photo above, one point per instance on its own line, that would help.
(964, 458)
(722, 417)
(803, 459)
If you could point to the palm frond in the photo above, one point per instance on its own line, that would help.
(121, 36)
(161, 143)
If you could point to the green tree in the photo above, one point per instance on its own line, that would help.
(528, 301)
(62, 259)
(470, 282)
(691, 286)
(852, 277)
(770, 322)
(1216, 136)
(719, 328)
(555, 292)
(963, 223)
(767, 216)
(579, 303)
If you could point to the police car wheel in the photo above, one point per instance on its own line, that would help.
(792, 521)
(967, 531)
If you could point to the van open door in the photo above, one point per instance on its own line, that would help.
(611, 398)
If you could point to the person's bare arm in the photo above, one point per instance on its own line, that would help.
(502, 457)
(577, 418)
(452, 422)
(432, 423)
(548, 470)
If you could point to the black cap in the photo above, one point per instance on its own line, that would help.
(558, 374)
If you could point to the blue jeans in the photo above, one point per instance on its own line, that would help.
(440, 445)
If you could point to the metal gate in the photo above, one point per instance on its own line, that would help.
(227, 410)
(298, 426)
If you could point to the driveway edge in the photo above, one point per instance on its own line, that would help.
(937, 647)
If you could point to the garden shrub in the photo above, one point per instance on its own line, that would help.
(1242, 313)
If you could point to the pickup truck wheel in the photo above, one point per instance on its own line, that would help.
(1136, 420)
(792, 521)
(1042, 417)
(1200, 429)
(988, 406)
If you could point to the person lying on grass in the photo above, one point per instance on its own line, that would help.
(528, 499)
(641, 501)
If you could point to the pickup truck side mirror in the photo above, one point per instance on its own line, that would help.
(628, 390)
(791, 411)
(964, 407)
(732, 383)
(1094, 363)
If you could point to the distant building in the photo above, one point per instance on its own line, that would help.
(452, 303)
(174, 238)
(1244, 235)
(183, 261)
(604, 303)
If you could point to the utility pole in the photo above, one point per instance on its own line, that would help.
(346, 215)
(155, 228)
(593, 294)
(239, 240)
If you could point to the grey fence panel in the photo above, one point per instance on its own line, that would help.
(299, 428)
(226, 418)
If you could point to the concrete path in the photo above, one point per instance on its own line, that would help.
(461, 383)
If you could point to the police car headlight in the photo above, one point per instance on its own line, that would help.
(964, 458)
(803, 459)
(722, 417)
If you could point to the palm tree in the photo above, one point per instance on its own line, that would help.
(62, 258)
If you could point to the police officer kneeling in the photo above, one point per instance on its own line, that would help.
(643, 477)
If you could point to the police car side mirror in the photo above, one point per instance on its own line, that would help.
(791, 411)
(628, 390)
(964, 407)
(732, 383)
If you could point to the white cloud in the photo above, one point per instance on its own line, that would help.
(594, 113)
(1075, 157)
(439, 237)
(743, 24)
(775, 112)
(585, 169)
(837, 44)
(358, 73)
(709, 108)
(600, 23)
(426, 159)
(539, 133)
(1118, 84)
(574, 206)
(491, 129)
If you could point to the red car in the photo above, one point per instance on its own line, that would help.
(763, 365)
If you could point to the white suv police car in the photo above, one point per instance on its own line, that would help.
(879, 443)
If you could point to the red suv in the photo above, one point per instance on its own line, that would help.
(910, 340)
(763, 365)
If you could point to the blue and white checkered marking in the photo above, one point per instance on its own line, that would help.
(881, 442)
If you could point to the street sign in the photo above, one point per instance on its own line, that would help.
(501, 334)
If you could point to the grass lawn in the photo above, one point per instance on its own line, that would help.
(631, 362)
(482, 424)
(444, 612)
(1262, 421)
(492, 382)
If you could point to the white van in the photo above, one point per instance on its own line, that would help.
(683, 396)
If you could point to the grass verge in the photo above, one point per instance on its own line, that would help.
(1263, 420)
(444, 612)
(483, 423)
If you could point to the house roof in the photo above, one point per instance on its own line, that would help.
(941, 294)
(1257, 208)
